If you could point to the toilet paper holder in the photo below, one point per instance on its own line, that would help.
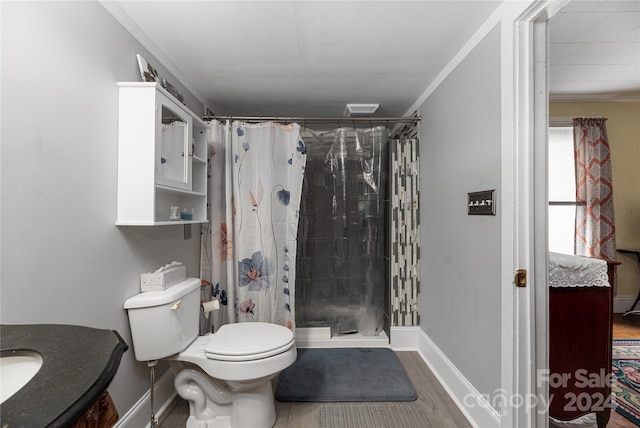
(209, 306)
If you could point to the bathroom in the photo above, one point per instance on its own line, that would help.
(65, 262)
(59, 117)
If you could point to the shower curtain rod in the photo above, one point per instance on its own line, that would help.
(305, 120)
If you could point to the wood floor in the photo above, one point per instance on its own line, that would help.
(432, 398)
(624, 328)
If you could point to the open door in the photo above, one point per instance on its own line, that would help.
(530, 249)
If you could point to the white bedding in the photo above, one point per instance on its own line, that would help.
(577, 271)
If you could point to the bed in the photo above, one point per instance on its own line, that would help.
(580, 336)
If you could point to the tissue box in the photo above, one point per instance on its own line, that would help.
(153, 281)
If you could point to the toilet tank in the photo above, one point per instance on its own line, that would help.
(164, 323)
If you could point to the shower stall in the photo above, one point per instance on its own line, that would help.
(341, 268)
(355, 234)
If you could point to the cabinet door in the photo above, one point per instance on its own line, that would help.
(173, 145)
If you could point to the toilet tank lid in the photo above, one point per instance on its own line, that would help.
(148, 299)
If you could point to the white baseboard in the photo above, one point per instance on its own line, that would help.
(320, 337)
(140, 414)
(456, 385)
(621, 304)
(461, 391)
(404, 338)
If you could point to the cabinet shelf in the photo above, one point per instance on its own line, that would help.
(163, 223)
(154, 134)
(161, 188)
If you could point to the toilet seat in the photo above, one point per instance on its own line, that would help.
(248, 341)
(234, 370)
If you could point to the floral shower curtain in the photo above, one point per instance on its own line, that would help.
(595, 226)
(215, 246)
(257, 173)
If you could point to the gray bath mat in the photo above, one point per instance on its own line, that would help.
(345, 374)
(368, 415)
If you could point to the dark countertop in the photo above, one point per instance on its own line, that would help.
(78, 365)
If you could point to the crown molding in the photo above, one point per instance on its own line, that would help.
(114, 8)
(632, 97)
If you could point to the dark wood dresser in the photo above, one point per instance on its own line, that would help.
(580, 342)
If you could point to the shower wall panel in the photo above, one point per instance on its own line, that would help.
(405, 233)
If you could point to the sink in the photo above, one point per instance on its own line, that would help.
(16, 369)
(70, 365)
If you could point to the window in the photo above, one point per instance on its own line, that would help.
(562, 190)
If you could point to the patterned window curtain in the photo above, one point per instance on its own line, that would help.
(595, 226)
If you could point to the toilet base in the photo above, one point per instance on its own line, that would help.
(232, 404)
(219, 422)
(254, 408)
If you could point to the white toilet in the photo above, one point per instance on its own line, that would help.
(225, 376)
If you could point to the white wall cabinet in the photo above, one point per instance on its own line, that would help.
(162, 157)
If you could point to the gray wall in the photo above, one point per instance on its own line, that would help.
(64, 261)
(62, 258)
(460, 254)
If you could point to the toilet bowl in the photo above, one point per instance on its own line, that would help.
(226, 376)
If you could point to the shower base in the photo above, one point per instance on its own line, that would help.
(320, 337)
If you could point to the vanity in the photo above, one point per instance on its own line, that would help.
(76, 365)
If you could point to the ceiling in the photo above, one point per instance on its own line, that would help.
(311, 58)
(594, 51)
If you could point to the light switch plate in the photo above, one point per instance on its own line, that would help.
(482, 203)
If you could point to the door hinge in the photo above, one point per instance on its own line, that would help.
(521, 278)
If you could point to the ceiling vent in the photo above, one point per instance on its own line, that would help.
(360, 110)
